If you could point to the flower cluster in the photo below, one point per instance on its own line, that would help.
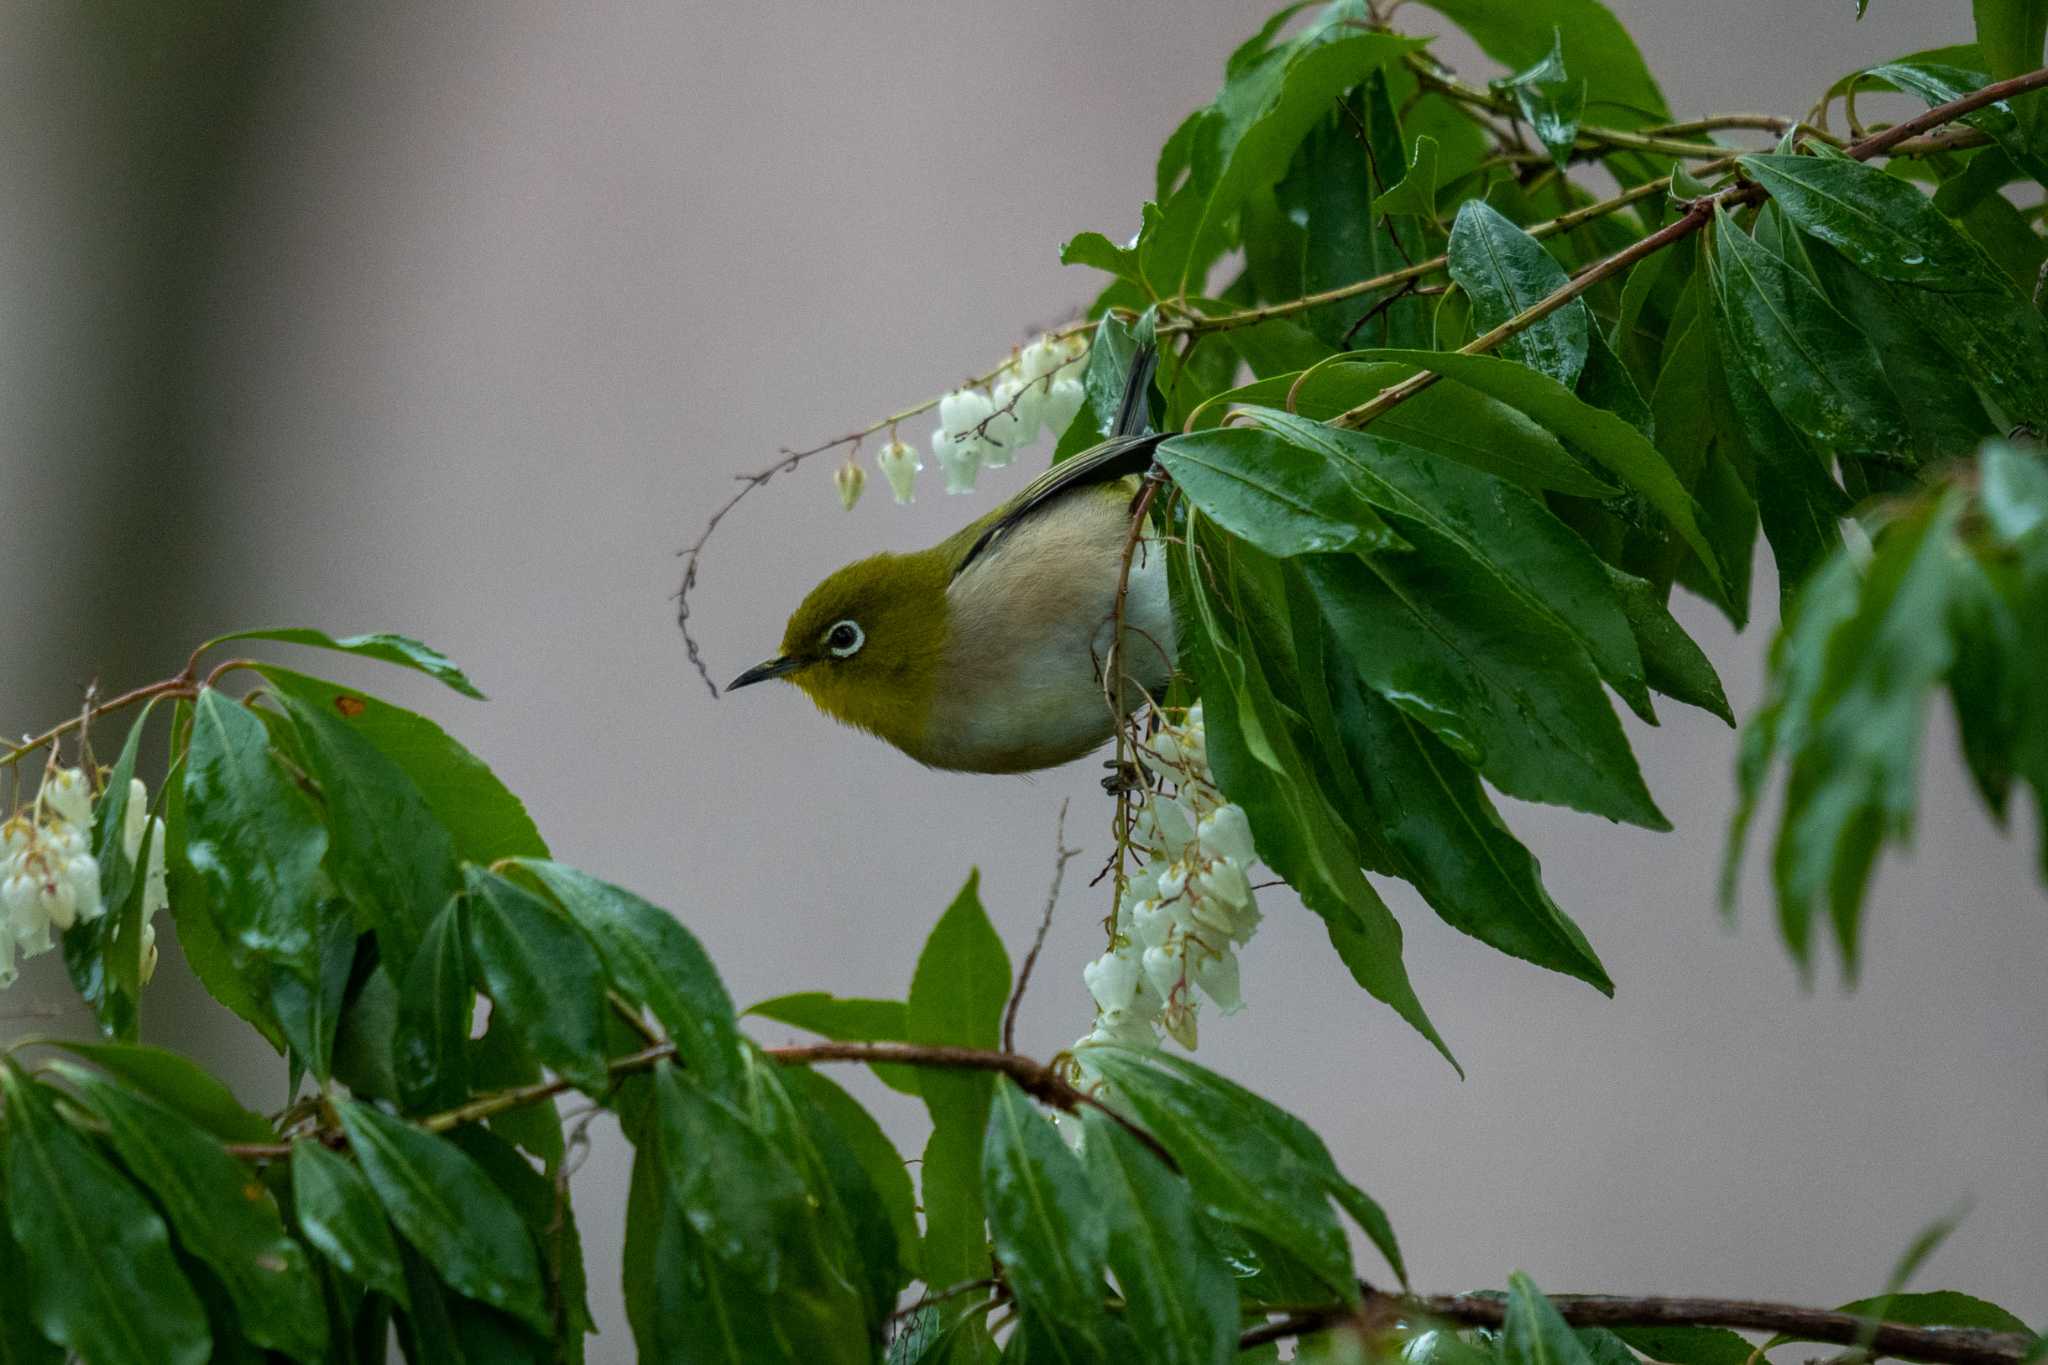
(1186, 911)
(49, 878)
(1039, 389)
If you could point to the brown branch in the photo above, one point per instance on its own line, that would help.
(1946, 1345)
(1062, 855)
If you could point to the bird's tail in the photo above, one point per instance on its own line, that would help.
(1134, 412)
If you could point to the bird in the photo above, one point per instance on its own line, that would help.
(986, 652)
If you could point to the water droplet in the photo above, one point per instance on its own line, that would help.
(1916, 259)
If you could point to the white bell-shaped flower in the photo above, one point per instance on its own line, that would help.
(1040, 359)
(148, 951)
(1216, 974)
(66, 794)
(1144, 883)
(1122, 1028)
(1062, 402)
(156, 894)
(82, 875)
(900, 465)
(1166, 823)
(848, 480)
(1151, 921)
(1225, 833)
(1112, 979)
(962, 411)
(959, 461)
(15, 837)
(1224, 881)
(1164, 968)
(1019, 413)
(134, 819)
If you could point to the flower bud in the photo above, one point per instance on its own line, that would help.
(1179, 1022)
(133, 819)
(900, 466)
(849, 478)
(156, 893)
(66, 794)
(1225, 833)
(1062, 402)
(959, 461)
(1112, 979)
(148, 952)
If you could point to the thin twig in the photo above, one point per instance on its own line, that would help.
(1061, 856)
(954, 1292)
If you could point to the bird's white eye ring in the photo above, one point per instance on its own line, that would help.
(845, 638)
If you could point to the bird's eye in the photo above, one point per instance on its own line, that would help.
(844, 639)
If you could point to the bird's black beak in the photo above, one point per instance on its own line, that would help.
(762, 672)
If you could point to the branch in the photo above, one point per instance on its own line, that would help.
(1945, 1345)
(1062, 855)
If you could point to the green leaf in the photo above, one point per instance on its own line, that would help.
(855, 1131)
(1451, 843)
(1045, 1217)
(1606, 383)
(1853, 761)
(500, 1061)
(956, 999)
(440, 1328)
(20, 1342)
(654, 959)
(738, 1192)
(103, 957)
(1818, 369)
(1505, 272)
(1673, 662)
(256, 843)
(1536, 558)
(1178, 1293)
(102, 1281)
(179, 1084)
(1937, 1308)
(223, 1215)
(1094, 249)
(339, 1214)
(1550, 101)
(1234, 1156)
(390, 855)
(1416, 191)
(1939, 83)
(1509, 695)
(309, 1012)
(550, 1219)
(543, 973)
(2009, 33)
(1282, 497)
(430, 1050)
(1260, 760)
(1448, 420)
(391, 649)
(1689, 1345)
(1591, 40)
(1533, 1332)
(446, 1206)
(486, 820)
(1882, 223)
(1607, 439)
(847, 1019)
(1110, 352)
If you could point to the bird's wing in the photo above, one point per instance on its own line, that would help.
(1128, 451)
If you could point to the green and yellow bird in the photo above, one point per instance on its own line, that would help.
(985, 653)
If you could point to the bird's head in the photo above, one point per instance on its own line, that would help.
(867, 644)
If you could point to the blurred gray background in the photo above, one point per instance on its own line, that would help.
(457, 320)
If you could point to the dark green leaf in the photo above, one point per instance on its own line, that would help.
(104, 956)
(1535, 557)
(956, 999)
(1094, 249)
(1818, 369)
(550, 1218)
(309, 1012)
(1882, 223)
(1505, 272)
(1689, 1345)
(340, 1216)
(1282, 497)
(487, 821)
(441, 1328)
(1447, 420)
(20, 1342)
(1672, 661)
(1233, 1157)
(1937, 1308)
(430, 1052)
(1608, 439)
(448, 1208)
(1510, 695)
(255, 841)
(1103, 373)
(1550, 101)
(101, 1278)
(1451, 843)
(223, 1215)
(738, 1192)
(543, 973)
(392, 649)
(1178, 1292)
(1045, 1219)
(854, 1131)
(390, 855)
(500, 1061)
(654, 959)
(1534, 1333)
(178, 1084)
(1606, 383)
(1939, 83)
